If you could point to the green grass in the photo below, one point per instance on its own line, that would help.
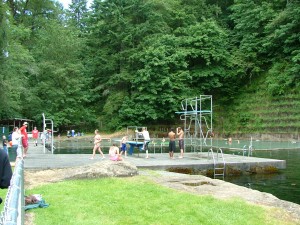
(137, 200)
(3, 196)
(259, 112)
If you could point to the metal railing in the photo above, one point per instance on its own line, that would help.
(219, 166)
(13, 210)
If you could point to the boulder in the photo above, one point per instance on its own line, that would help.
(105, 168)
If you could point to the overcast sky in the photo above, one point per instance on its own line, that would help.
(67, 2)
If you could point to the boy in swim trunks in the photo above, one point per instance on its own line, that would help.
(180, 134)
(172, 145)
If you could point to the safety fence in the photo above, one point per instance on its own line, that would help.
(13, 211)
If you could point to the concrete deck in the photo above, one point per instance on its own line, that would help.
(37, 159)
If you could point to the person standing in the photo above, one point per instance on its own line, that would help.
(123, 145)
(16, 142)
(24, 134)
(146, 137)
(180, 135)
(4, 144)
(172, 145)
(5, 171)
(35, 135)
(97, 141)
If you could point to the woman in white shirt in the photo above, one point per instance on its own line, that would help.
(16, 139)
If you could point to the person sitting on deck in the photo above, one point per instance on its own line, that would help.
(114, 153)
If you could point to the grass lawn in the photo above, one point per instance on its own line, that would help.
(137, 200)
(3, 196)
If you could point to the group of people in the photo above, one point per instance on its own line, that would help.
(18, 140)
(19, 143)
(116, 155)
(172, 142)
(114, 152)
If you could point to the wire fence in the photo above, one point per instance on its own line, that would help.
(13, 210)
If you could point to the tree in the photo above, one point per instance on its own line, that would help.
(60, 85)
(250, 19)
(282, 47)
(16, 63)
(77, 13)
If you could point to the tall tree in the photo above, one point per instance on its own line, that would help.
(60, 85)
(250, 19)
(140, 50)
(282, 47)
(16, 63)
(77, 13)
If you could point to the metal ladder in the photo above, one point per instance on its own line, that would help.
(248, 149)
(219, 166)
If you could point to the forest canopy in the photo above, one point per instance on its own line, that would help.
(132, 62)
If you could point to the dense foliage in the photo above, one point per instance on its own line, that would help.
(132, 62)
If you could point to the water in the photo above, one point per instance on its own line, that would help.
(79, 146)
(285, 185)
(257, 144)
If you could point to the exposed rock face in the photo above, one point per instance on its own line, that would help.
(105, 168)
(202, 185)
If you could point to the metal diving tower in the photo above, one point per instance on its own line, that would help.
(197, 115)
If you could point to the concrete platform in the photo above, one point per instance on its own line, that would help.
(37, 159)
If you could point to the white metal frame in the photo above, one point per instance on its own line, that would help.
(45, 122)
(197, 115)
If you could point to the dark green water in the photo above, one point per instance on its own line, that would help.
(285, 185)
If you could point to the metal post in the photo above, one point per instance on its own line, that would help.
(43, 139)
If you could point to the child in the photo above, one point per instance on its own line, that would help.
(123, 145)
(114, 153)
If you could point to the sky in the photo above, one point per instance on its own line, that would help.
(67, 2)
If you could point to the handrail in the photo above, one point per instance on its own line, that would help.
(220, 168)
(248, 149)
(216, 161)
(13, 210)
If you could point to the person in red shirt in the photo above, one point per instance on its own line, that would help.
(24, 138)
(35, 135)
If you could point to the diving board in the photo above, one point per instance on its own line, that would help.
(194, 112)
(196, 115)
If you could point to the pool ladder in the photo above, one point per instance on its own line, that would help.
(247, 151)
(219, 162)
